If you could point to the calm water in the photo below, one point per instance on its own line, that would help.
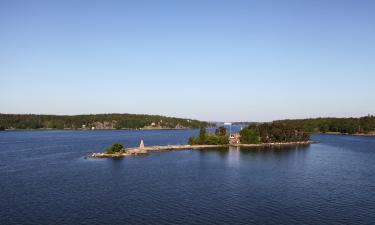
(45, 180)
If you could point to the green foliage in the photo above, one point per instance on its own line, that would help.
(202, 136)
(213, 139)
(115, 121)
(208, 138)
(273, 132)
(254, 134)
(114, 148)
(194, 141)
(249, 136)
(362, 125)
(221, 131)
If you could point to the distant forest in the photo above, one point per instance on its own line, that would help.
(362, 125)
(96, 121)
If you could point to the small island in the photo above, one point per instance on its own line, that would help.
(259, 135)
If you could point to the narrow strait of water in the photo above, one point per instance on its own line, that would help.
(44, 179)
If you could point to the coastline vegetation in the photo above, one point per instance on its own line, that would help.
(272, 132)
(249, 136)
(220, 137)
(254, 134)
(115, 148)
(98, 121)
(362, 125)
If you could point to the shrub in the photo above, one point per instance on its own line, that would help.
(202, 136)
(221, 131)
(216, 140)
(194, 141)
(114, 148)
(249, 136)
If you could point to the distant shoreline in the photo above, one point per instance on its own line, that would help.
(51, 129)
(153, 129)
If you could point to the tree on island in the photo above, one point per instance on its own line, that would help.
(272, 132)
(221, 131)
(249, 136)
(202, 136)
(115, 148)
(219, 138)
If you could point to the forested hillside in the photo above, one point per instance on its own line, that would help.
(96, 121)
(362, 125)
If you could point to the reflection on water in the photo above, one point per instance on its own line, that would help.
(274, 151)
(222, 152)
(237, 155)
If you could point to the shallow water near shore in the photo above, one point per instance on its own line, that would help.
(46, 180)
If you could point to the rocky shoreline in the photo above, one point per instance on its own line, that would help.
(146, 150)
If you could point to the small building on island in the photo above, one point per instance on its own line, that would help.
(235, 138)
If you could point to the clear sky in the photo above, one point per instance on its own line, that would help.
(209, 60)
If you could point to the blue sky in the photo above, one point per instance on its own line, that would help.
(209, 60)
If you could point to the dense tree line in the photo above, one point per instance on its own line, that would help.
(362, 125)
(272, 132)
(220, 137)
(106, 121)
